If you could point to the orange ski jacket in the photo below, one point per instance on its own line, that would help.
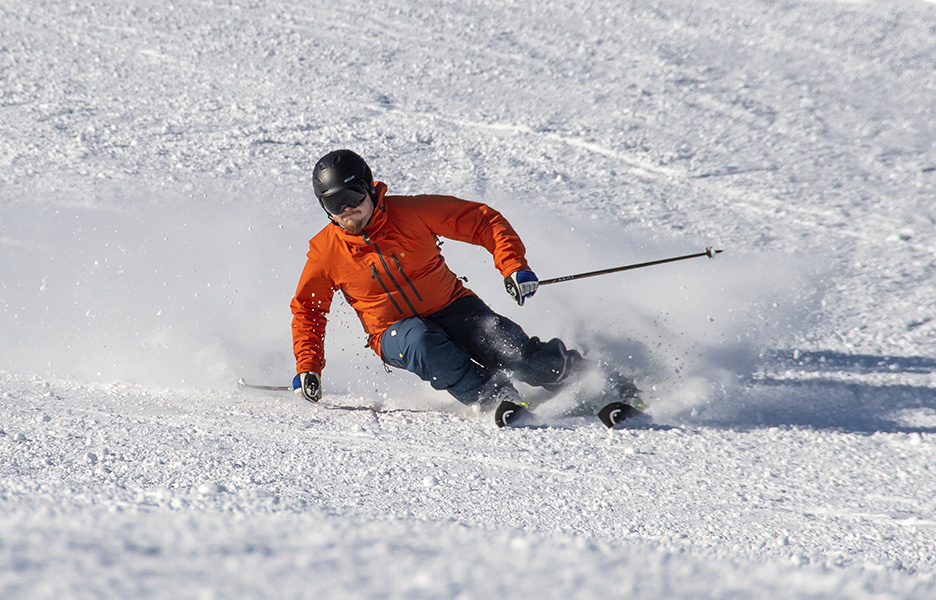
(394, 269)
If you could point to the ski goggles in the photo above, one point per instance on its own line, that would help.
(341, 199)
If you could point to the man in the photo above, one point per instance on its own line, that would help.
(382, 253)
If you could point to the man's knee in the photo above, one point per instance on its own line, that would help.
(425, 349)
(405, 341)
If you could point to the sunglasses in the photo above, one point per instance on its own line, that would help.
(342, 199)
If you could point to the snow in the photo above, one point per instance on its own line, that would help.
(154, 211)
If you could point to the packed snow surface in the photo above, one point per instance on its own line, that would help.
(155, 205)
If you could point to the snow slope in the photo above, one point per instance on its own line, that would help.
(154, 212)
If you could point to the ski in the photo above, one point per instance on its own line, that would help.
(616, 413)
(244, 385)
(611, 415)
(241, 384)
(514, 415)
(616, 402)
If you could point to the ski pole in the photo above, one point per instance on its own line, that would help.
(709, 252)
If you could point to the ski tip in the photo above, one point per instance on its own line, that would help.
(616, 413)
(509, 414)
(241, 383)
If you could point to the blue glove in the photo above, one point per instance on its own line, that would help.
(521, 285)
(308, 386)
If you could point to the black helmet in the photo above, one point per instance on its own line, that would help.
(341, 179)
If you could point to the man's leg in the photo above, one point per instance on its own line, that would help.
(499, 344)
(423, 347)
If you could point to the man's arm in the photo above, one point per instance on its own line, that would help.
(474, 223)
(310, 308)
(481, 225)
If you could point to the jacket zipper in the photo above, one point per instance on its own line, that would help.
(376, 275)
(403, 273)
(393, 280)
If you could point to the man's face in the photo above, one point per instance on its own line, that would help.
(354, 219)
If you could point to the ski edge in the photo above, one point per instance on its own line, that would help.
(243, 385)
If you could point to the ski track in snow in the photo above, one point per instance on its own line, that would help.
(154, 212)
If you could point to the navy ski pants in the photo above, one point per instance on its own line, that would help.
(462, 346)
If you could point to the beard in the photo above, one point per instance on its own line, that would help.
(358, 219)
(353, 227)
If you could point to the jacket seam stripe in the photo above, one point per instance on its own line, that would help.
(403, 273)
(396, 284)
(376, 275)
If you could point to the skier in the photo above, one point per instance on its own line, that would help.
(382, 252)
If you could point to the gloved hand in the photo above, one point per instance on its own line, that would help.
(308, 386)
(521, 285)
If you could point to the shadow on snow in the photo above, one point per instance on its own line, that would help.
(835, 391)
